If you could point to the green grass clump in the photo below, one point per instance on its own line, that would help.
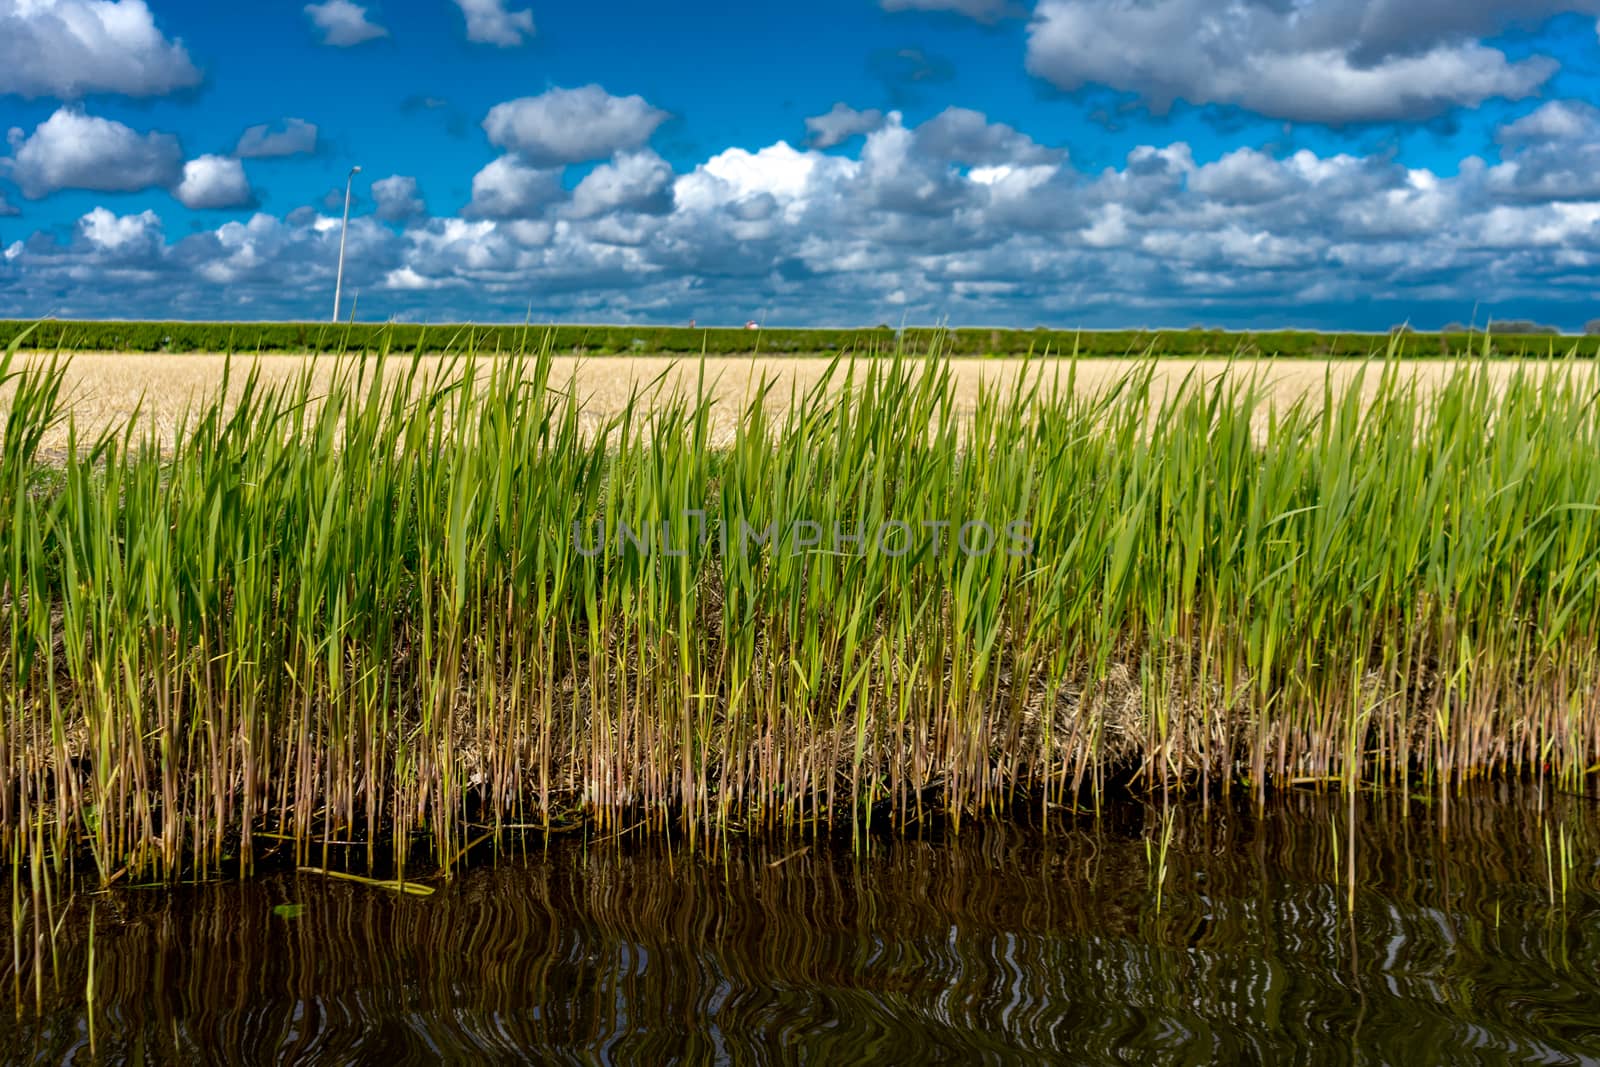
(363, 614)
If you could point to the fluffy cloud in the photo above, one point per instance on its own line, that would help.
(572, 125)
(956, 218)
(776, 175)
(1325, 61)
(1245, 176)
(398, 199)
(298, 137)
(214, 182)
(248, 267)
(635, 182)
(841, 123)
(1397, 27)
(69, 48)
(1551, 154)
(1560, 121)
(343, 23)
(121, 233)
(510, 189)
(488, 22)
(72, 150)
(924, 183)
(961, 135)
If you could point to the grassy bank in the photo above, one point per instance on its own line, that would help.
(233, 338)
(391, 609)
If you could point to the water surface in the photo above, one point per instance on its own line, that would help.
(1449, 938)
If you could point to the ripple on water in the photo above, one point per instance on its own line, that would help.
(1005, 943)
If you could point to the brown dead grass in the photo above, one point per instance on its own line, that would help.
(104, 389)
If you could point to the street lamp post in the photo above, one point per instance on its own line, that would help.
(344, 227)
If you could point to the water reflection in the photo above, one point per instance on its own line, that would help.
(1000, 944)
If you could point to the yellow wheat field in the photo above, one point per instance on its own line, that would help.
(105, 389)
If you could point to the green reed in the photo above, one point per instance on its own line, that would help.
(342, 617)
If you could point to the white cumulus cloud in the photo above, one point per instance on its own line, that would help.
(72, 150)
(298, 137)
(839, 124)
(1552, 153)
(1558, 120)
(510, 189)
(343, 23)
(954, 218)
(398, 199)
(214, 182)
(112, 232)
(489, 22)
(572, 125)
(69, 48)
(634, 181)
(1323, 61)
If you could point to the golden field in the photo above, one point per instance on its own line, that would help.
(105, 389)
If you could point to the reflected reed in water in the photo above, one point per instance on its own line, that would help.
(999, 943)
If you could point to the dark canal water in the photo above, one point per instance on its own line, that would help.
(1470, 934)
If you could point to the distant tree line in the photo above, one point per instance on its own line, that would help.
(1511, 338)
(1510, 327)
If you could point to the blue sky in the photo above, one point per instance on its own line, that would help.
(1328, 163)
